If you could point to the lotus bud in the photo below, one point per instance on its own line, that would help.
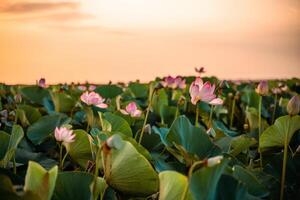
(181, 100)
(298, 148)
(214, 161)
(18, 98)
(148, 129)
(64, 135)
(293, 106)
(262, 88)
(42, 83)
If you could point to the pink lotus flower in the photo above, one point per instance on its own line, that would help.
(276, 90)
(203, 92)
(93, 98)
(92, 87)
(293, 106)
(132, 110)
(42, 83)
(64, 135)
(262, 88)
(171, 82)
(82, 87)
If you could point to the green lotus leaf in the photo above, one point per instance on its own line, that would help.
(62, 102)
(274, 136)
(230, 188)
(118, 124)
(80, 149)
(193, 139)
(241, 143)
(173, 185)
(109, 91)
(32, 113)
(252, 184)
(40, 181)
(42, 128)
(76, 185)
(138, 90)
(131, 173)
(14, 139)
(252, 117)
(203, 183)
(35, 94)
(4, 140)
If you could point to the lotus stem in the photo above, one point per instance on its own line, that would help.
(146, 117)
(259, 129)
(63, 161)
(189, 177)
(232, 112)
(274, 111)
(285, 150)
(60, 155)
(197, 115)
(210, 116)
(15, 166)
(177, 112)
(96, 172)
(101, 119)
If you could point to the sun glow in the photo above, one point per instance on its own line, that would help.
(154, 13)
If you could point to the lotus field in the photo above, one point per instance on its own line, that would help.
(174, 138)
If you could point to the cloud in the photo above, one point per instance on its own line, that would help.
(53, 17)
(29, 7)
(91, 28)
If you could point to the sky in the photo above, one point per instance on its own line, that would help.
(124, 40)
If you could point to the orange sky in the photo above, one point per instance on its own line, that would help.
(122, 40)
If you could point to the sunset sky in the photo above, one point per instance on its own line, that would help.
(122, 40)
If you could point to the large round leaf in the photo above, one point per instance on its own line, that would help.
(193, 139)
(75, 185)
(173, 185)
(32, 113)
(253, 118)
(204, 181)
(252, 184)
(80, 149)
(4, 140)
(118, 124)
(16, 136)
(63, 102)
(40, 181)
(131, 173)
(274, 136)
(109, 91)
(41, 129)
(241, 143)
(219, 126)
(35, 94)
(230, 188)
(138, 90)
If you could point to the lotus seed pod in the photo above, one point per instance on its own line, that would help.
(293, 107)
(262, 88)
